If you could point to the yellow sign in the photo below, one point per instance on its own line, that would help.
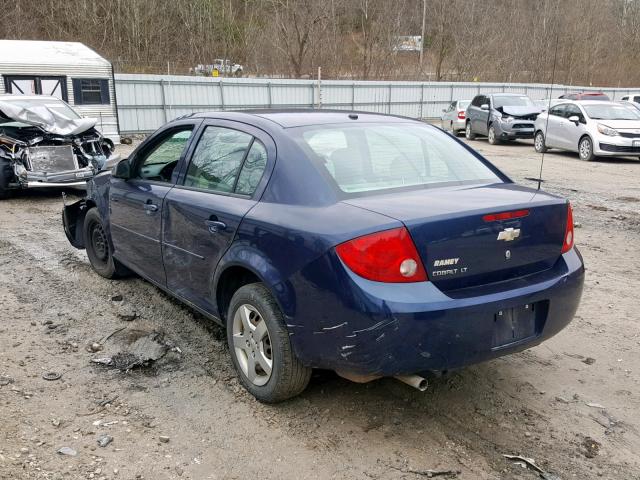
(215, 72)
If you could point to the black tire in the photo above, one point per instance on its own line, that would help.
(468, 132)
(288, 377)
(585, 149)
(538, 142)
(491, 136)
(99, 248)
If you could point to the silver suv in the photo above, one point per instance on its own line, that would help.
(501, 116)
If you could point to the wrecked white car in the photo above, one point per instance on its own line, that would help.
(45, 143)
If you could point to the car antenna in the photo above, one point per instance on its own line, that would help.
(546, 126)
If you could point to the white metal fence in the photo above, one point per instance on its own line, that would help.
(145, 102)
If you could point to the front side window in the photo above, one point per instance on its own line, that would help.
(377, 157)
(574, 111)
(217, 160)
(158, 164)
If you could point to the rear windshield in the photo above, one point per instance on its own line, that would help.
(375, 157)
(512, 101)
(611, 112)
(463, 103)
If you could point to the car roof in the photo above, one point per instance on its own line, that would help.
(304, 117)
(593, 102)
(508, 94)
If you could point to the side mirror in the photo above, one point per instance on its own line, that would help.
(484, 106)
(122, 170)
(575, 119)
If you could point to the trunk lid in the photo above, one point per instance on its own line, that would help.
(459, 248)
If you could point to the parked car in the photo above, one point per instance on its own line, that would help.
(453, 116)
(586, 96)
(631, 97)
(591, 128)
(227, 67)
(367, 244)
(501, 116)
(45, 143)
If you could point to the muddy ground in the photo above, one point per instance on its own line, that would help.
(572, 404)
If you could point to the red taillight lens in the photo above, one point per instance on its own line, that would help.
(388, 256)
(461, 115)
(505, 215)
(568, 233)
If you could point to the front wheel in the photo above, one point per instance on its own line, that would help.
(585, 149)
(260, 347)
(491, 137)
(538, 143)
(468, 133)
(98, 247)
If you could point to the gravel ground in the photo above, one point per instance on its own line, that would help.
(571, 403)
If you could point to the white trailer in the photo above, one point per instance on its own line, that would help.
(70, 71)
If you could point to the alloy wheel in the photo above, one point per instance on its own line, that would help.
(585, 149)
(539, 142)
(252, 345)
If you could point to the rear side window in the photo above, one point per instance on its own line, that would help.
(252, 169)
(636, 99)
(376, 157)
(226, 161)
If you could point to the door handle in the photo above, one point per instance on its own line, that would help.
(150, 207)
(214, 225)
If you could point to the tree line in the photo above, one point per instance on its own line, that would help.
(593, 42)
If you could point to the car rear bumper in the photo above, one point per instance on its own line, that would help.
(391, 329)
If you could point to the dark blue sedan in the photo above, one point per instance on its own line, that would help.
(367, 244)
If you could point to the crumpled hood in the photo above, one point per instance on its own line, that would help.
(520, 111)
(45, 118)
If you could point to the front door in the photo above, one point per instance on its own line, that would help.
(136, 204)
(202, 214)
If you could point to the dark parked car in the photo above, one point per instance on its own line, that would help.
(501, 116)
(367, 244)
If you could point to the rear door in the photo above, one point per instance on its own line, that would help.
(220, 184)
(136, 204)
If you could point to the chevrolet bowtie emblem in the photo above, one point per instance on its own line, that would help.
(509, 234)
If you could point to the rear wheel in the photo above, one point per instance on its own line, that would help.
(585, 149)
(539, 144)
(98, 247)
(491, 137)
(260, 347)
(468, 133)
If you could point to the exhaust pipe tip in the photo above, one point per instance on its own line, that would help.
(415, 381)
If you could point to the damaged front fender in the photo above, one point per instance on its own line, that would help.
(73, 221)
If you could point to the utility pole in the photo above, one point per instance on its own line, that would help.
(424, 19)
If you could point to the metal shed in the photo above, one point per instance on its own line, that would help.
(67, 70)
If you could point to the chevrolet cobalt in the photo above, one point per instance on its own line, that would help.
(367, 244)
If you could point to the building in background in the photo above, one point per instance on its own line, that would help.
(70, 71)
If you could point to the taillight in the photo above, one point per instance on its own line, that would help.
(461, 115)
(568, 232)
(387, 256)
